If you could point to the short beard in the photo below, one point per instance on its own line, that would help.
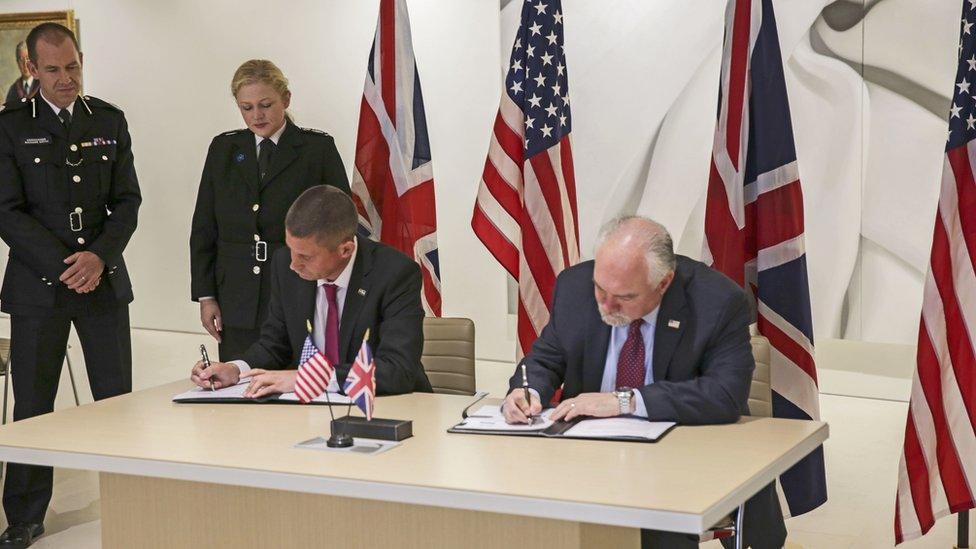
(613, 319)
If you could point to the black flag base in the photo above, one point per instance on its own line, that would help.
(340, 440)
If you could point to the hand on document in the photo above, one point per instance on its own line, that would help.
(587, 404)
(266, 382)
(517, 410)
(223, 374)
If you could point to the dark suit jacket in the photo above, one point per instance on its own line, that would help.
(225, 221)
(702, 368)
(383, 296)
(64, 191)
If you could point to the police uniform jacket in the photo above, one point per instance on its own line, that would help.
(239, 220)
(63, 191)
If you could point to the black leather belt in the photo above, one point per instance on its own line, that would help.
(259, 250)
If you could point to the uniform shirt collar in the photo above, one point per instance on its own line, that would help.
(57, 109)
(342, 280)
(274, 137)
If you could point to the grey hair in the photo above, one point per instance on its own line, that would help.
(651, 236)
(21, 46)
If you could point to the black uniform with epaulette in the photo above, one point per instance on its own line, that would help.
(64, 188)
(239, 221)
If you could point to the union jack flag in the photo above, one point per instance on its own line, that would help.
(754, 223)
(393, 183)
(314, 372)
(360, 384)
(526, 213)
(937, 472)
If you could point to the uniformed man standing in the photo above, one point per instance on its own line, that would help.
(69, 199)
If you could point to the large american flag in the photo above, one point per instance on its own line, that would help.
(937, 473)
(525, 213)
(754, 223)
(393, 183)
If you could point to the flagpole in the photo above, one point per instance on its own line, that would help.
(334, 441)
(962, 537)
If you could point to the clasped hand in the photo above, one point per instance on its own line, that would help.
(84, 273)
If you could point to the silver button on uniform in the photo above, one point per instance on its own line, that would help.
(74, 147)
(76, 179)
(81, 240)
(256, 270)
(255, 207)
(37, 160)
(257, 238)
(104, 157)
(78, 210)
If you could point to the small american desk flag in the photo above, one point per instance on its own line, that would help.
(937, 473)
(360, 384)
(393, 183)
(314, 372)
(525, 213)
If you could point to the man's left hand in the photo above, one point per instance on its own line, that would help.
(266, 382)
(587, 404)
(84, 272)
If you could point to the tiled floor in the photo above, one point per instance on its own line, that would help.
(862, 454)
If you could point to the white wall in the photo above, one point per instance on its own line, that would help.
(169, 64)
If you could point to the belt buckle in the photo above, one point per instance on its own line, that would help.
(74, 220)
(261, 250)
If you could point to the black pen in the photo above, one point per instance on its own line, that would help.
(206, 363)
(525, 387)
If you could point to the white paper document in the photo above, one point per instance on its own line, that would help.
(237, 391)
(619, 427)
(489, 418)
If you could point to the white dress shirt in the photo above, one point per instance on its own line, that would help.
(322, 310)
(57, 109)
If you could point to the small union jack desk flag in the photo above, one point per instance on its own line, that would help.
(360, 384)
(314, 372)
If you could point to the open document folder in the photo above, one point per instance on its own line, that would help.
(235, 395)
(489, 420)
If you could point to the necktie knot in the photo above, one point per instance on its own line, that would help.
(330, 292)
(264, 155)
(635, 326)
(65, 116)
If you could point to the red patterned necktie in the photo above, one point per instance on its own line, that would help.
(630, 363)
(332, 324)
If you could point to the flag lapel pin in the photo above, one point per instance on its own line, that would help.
(674, 324)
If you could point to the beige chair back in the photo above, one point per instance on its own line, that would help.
(4, 354)
(760, 393)
(448, 355)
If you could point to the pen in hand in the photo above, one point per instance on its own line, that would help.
(528, 395)
(206, 363)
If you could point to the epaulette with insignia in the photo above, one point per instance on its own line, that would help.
(14, 106)
(313, 130)
(93, 101)
(232, 132)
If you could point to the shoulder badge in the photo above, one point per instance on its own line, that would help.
(313, 130)
(93, 101)
(232, 132)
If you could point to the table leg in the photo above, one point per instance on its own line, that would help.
(739, 520)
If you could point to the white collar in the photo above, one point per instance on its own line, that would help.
(274, 137)
(342, 280)
(57, 109)
(29, 81)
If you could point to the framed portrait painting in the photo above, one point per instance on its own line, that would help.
(15, 81)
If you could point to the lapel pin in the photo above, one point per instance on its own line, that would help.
(239, 158)
(674, 324)
(361, 292)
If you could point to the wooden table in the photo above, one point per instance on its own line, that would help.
(201, 475)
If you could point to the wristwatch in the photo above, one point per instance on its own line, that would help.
(625, 398)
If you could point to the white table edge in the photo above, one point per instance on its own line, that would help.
(771, 472)
(612, 515)
(399, 493)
